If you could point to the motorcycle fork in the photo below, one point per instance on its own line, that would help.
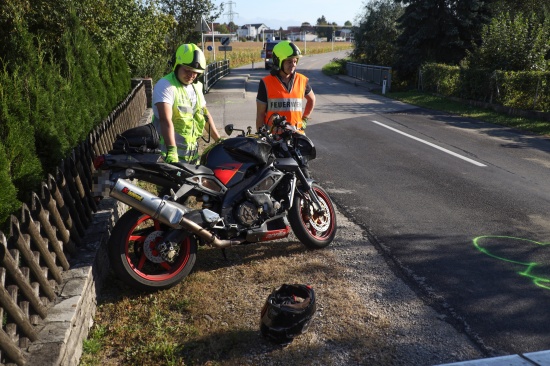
(317, 208)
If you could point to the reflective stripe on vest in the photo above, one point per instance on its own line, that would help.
(188, 123)
(283, 102)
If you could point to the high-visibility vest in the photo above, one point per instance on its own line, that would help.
(188, 123)
(283, 102)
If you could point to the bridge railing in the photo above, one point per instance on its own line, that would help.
(370, 73)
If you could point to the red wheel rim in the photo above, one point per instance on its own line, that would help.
(319, 226)
(138, 261)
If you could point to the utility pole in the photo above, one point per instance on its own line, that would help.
(230, 13)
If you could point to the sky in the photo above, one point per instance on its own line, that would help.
(284, 13)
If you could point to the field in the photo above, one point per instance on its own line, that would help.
(248, 52)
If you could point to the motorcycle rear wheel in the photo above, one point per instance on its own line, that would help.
(134, 258)
(314, 230)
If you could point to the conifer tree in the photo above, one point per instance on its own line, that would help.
(438, 31)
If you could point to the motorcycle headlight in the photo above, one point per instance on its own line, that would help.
(305, 146)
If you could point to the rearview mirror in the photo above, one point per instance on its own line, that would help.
(228, 129)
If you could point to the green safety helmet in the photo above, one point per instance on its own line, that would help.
(284, 50)
(190, 55)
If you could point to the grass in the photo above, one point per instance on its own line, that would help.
(439, 103)
(244, 53)
(334, 67)
(212, 318)
(431, 101)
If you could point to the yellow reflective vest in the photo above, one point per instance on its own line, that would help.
(188, 123)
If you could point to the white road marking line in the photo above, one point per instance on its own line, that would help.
(432, 145)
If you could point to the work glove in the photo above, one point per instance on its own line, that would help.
(304, 122)
(171, 154)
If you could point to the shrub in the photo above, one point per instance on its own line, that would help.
(528, 90)
(440, 78)
(50, 105)
(524, 89)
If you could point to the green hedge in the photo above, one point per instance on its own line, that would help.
(529, 90)
(440, 78)
(524, 89)
(50, 106)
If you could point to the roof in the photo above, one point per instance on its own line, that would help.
(257, 25)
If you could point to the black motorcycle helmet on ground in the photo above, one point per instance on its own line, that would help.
(287, 313)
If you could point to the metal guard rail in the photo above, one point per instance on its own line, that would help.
(370, 73)
(214, 72)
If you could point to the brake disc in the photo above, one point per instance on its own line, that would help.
(320, 221)
(149, 247)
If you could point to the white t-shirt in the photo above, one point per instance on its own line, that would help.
(164, 92)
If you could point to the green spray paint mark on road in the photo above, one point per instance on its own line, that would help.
(498, 247)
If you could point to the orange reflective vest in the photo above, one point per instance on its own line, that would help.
(283, 102)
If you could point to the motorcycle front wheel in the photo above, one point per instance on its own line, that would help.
(315, 230)
(135, 260)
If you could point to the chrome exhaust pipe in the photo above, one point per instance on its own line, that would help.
(168, 212)
(208, 237)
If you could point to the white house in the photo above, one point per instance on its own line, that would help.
(308, 37)
(251, 30)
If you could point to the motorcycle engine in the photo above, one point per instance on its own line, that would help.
(247, 213)
(257, 208)
(261, 201)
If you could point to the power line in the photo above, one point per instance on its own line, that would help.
(230, 12)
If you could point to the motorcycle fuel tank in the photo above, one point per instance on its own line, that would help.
(232, 158)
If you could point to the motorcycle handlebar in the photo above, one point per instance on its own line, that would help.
(278, 120)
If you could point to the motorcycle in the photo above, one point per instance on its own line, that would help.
(247, 189)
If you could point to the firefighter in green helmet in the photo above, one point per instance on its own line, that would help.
(179, 107)
(284, 90)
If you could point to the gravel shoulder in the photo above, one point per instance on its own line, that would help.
(366, 313)
(413, 332)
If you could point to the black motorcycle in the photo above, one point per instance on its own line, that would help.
(247, 189)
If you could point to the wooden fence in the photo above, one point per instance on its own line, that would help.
(48, 231)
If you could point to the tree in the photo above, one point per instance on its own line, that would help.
(376, 34)
(138, 27)
(188, 13)
(323, 28)
(438, 31)
(222, 28)
(232, 27)
(513, 43)
(514, 7)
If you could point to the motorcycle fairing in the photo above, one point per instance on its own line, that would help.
(226, 172)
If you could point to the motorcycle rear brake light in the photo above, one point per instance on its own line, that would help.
(99, 161)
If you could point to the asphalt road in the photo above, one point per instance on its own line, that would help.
(460, 206)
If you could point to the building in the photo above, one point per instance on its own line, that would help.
(252, 31)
